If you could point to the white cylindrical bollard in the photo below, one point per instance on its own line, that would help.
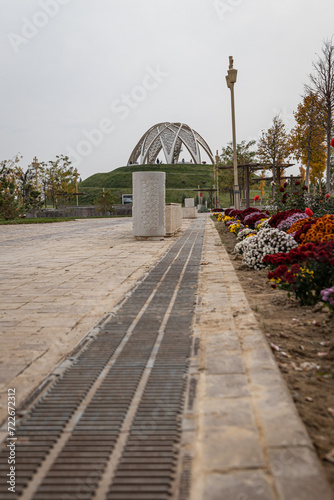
(148, 210)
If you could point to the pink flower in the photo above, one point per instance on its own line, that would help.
(308, 212)
(327, 195)
(256, 198)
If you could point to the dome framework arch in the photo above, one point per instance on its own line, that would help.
(169, 138)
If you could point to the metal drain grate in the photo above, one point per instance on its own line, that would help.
(128, 383)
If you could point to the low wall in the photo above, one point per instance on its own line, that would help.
(89, 211)
(173, 218)
(86, 212)
(189, 213)
(123, 209)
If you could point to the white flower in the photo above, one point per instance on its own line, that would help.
(267, 241)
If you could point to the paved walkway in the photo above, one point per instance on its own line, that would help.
(56, 283)
(242, 438)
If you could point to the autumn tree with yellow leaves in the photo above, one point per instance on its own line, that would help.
(307, 138)
(274, 147)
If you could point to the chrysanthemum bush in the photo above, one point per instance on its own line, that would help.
(241, 238)
(263, 225)
(259, 223)
(304, 271)
(285, 224)
(236, 227)
(239, 247)
(268, 241)
(327, 296)
(279, 217)
(254, 218)
(313, 229)
(321, 230)
(244, 233)
(247, 213)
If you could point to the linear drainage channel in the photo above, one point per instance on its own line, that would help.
(108, 428)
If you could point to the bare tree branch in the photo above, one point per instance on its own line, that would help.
(322, 82)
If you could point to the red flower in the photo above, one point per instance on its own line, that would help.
(328, 195)
(332, 142)
(322, 256)
(285, 184)
(295, 268)
(297, 183)
(256, 198)
(281, 189)
(282, 269)
(305, 188)
(308, 212)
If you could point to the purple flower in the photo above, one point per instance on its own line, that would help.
(327, 295)
(285, 224)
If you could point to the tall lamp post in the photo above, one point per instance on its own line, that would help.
(35, 165)
(217, 174)
(231, 78)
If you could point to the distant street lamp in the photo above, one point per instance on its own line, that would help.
(217, 177)
(35, 165)
(76, 185)
(231, 78)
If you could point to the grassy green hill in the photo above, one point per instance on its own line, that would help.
(180, 181)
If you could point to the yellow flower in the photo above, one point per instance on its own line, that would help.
(227, 218)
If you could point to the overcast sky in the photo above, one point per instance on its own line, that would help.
(87, 78)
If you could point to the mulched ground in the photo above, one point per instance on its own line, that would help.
(302, 340)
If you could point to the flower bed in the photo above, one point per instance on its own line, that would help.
(303, 346)
(305, 271)
(282, 242)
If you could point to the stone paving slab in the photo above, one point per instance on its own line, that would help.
(56, 283)
(244, 433)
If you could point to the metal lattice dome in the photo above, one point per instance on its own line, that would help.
(169, 137)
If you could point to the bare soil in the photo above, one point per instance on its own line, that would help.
(302, 340)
